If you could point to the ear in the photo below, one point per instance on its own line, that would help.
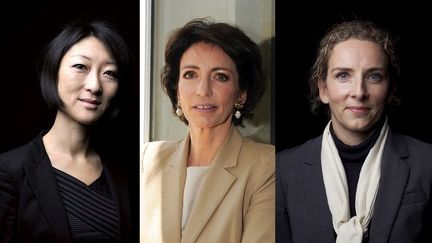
(242, 97)
(323, 93)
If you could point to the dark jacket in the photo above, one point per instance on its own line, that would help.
(31, 208)
(402, 212)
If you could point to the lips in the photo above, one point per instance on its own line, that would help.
(358, 109)
(90, 101)
(205, 107)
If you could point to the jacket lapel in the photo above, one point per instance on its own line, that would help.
(215, 186)
(172, 193)
(43, 183)
(394, 177)
(120, 195)
(319, 216)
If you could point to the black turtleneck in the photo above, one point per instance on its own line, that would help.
(352, 158)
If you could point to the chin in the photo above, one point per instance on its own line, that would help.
(88, 121)
(361, 126)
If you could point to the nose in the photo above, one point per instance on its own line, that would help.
(359, 89)
(204, 87)
(93, 84)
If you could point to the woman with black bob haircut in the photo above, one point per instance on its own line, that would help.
(55, 51)
(214, 185)
(58, 187)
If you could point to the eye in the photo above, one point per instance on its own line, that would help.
(342, 75)
(79, 66)
(221, 77)
(111, 74)
(375, 77)
(189, 75)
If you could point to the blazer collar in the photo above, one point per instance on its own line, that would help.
(172, 192)
(319, 216)
(117, 185)
(215, 186)
(43, 183)
(394, 177)
(226, 156)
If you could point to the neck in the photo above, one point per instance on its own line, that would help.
(67, 137)
(353, 138)
(205, 143)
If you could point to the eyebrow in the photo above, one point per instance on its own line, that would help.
(83, 56)
(88, 58)
(213, 69)
(348, 69)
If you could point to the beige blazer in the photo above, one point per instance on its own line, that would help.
(236, 202)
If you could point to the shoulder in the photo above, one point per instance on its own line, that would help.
(400, 142)
(290, 160)
(415, 144)
(158, 153)
(255, 165)
(415, 155)
(261, 150)
(12, 160)
(161, 145)
(301, 150)
(257, 158)
(416, 151)
(159, 148)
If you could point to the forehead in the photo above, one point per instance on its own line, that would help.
(354, 52)
(206, 51)
(88, 44)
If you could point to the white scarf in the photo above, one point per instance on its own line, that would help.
(351, 229)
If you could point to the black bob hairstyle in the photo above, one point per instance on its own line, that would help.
(69, 36)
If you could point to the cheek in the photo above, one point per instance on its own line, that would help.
(335, 95)
(110, 90)
(229, 97)
(63, 89)
(184, 91)
(180, 93)
(381, 94)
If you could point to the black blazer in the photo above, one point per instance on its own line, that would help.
(402, 211)
(31, 208)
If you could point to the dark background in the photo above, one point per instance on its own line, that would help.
(26, 28)
(298, 31)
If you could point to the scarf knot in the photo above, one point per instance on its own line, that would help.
(351, 229)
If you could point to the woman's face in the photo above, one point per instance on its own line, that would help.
(208, 86)
(87, 81)
(356, 88)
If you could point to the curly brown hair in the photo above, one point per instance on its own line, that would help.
(361, 30)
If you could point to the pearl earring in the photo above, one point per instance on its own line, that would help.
(238, 114)
(179, 111)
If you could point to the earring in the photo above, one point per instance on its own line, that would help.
(179, 110)
(237, 106)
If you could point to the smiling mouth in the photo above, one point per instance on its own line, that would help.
(91, 101)
(205, 107)
(358, 110)
(90, 104)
